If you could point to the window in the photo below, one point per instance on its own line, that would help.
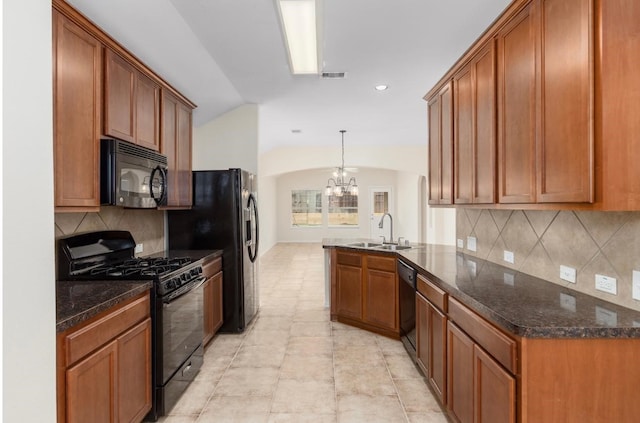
(306, 207)
(343, 210)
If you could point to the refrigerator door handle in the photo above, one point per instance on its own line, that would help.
(253, 217)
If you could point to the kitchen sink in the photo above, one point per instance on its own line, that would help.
(393, 247)
(365, 244)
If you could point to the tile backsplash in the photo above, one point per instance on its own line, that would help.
(604, 243)
(146, 225)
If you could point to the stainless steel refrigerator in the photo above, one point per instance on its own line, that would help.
(224, 216)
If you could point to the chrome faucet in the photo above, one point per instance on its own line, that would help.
(381, 225)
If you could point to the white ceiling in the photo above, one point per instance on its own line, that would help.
(225, 53)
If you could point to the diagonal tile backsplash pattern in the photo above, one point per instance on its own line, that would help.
(146, 225)
(605, 243)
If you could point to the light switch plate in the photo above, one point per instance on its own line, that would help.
(568, 273)
(509, 257)
(139, 248)
(471, 243)
(607, 284)
(635, 293)
(461, 243)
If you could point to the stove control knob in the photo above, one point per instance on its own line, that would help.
(199, 270)
(183, 277)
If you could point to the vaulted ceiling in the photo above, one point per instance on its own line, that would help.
(225, 53)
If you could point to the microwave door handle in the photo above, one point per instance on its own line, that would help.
(163, 176)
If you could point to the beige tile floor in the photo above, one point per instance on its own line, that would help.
(293, 364)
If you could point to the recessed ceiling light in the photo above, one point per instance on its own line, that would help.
(381, 87)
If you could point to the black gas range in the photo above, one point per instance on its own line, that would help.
(176, 303)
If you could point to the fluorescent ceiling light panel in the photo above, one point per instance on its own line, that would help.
(299, 22)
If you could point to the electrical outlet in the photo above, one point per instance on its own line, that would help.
(635, 292)
(606, 317)
(508, 278)
(461, 243)
(568, 302)
(139, 248)
(606, 284)
(568, 274)
(509, 257)
(471, 243)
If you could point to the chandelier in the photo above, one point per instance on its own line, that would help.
(339, 180)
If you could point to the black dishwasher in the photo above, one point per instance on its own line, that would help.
(407, 290)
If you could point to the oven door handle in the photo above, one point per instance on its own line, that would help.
(183, 290)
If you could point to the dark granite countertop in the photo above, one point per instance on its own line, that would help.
(77, 301)
(521, 304)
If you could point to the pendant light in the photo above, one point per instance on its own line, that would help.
(338, 185)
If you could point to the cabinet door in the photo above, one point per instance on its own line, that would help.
(440, 110)
(459, 374)
(565, 146)
(147, 116)
(484, 156)
(134, 373)
(517, 109)
(422, 334)
(120, 106)
(381, 299)
(494, 391)
(349, 287)
(433, 107)
(463, 163)
(169, 144)
(77, 94)
(437, 351)
(183, 160)
(91, 387)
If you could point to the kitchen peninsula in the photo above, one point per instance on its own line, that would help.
(514, 347)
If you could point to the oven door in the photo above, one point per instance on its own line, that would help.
(182, 327)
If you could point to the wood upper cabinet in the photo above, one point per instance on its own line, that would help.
(565, 154)
(474, 129)
(440, 113)
(176, 145)
(132, 103)
(545, 104)
(517, 82)
(77, 98)
(104, 366)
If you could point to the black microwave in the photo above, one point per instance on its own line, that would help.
(132, 176)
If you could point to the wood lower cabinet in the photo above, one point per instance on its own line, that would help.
(104, 366)
(364, 291)
(176, 145)
(212, 301)
(431, 334)
(77, 98)
(440, 114)
(494, 390)
(132, 103)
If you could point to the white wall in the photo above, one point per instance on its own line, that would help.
(28, 272)
(267, 191)
(408, 206)
(231, 140)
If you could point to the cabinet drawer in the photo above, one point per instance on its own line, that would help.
(81, 342)
(211, 268)
(349, 259)
(382, 263)
(499, 345)
(432, 293)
